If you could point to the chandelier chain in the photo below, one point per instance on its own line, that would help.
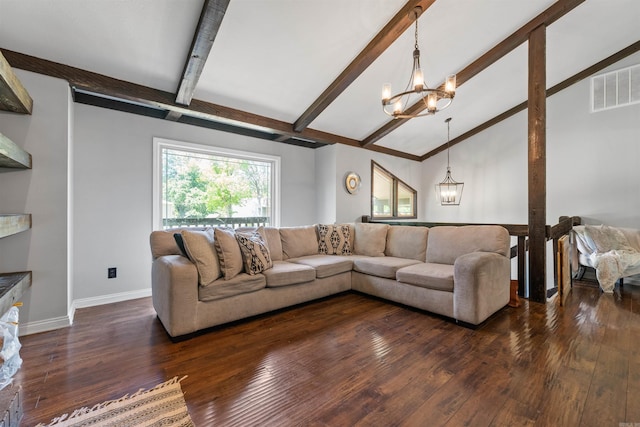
(448, 138)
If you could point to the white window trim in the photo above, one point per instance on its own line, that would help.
(160, 143)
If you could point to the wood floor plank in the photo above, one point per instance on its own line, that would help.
(355, 360)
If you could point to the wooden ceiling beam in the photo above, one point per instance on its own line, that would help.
(210, 20)
(135, 94)
(610, 60)
(390, 33)
(547, 17)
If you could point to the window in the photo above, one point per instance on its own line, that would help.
(199, 185)
(390, 197)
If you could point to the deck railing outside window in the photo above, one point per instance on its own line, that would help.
(237, 222)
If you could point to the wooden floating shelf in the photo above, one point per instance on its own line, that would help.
(13, 96)
(12, 156)
(12, 286)
(14, 223)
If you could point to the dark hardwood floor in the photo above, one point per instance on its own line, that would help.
(354, 360)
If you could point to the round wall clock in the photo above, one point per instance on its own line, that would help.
(352, 182)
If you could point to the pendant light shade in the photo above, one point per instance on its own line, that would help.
(449, 191)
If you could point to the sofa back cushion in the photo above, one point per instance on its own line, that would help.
(447, 243)
(228, 252)
(164, 243)
(370, 239)
(298, 241)
(271, 236)
(335, 239)
(200, 249)
(405, 241)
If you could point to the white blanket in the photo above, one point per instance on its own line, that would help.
(612, 257)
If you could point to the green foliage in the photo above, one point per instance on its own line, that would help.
(201, 186)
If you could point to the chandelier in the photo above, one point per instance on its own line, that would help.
(434, 99)
(449, 191)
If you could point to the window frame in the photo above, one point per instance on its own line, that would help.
(161, 143)
(394, 196)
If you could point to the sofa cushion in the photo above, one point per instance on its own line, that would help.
(428, 275)
(286, 273)
(255, 254)
(326, 265)
(447, 243)
(164, 243)
(334, 239)
(240, 284)
(370, 239)
(199, 246)
(382, 266)
(407, 242)
(228, 252)
(298, 241)
(271, 235)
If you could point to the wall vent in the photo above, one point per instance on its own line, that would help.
(615, 89)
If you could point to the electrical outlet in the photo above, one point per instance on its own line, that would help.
(111, 273)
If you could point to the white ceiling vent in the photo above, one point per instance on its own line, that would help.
(615, 89)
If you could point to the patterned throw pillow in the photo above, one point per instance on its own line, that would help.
(334, 239)
(255, 254)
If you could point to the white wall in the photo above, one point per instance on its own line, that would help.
(351, 207)
(41, 191)
(113, 200)
(592, 166)
(326, 184)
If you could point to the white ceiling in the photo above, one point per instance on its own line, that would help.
(275, 57)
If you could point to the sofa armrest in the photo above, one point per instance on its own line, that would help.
(174, 289)
(481, 286)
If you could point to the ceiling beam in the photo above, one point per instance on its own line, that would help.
(210, 20)
(610, 60)
(394, 29)
(122, 92)
(550, 15)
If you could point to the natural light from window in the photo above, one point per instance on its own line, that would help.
(390, 197)
(199, 185)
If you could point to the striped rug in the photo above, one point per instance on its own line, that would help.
(163, 405)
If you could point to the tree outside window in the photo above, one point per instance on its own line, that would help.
(208, 186)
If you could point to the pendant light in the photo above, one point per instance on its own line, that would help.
(449, 191)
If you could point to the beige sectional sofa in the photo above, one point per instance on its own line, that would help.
(219, 275)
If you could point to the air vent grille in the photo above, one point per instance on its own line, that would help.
(615, 89)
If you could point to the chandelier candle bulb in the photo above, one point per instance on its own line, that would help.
(386, 92)
(432, 101)
(418, 80)
(450, 85)
(397, 107)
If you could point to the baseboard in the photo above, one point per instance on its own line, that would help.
(44, 325)
(66, 321)
(111, 298)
